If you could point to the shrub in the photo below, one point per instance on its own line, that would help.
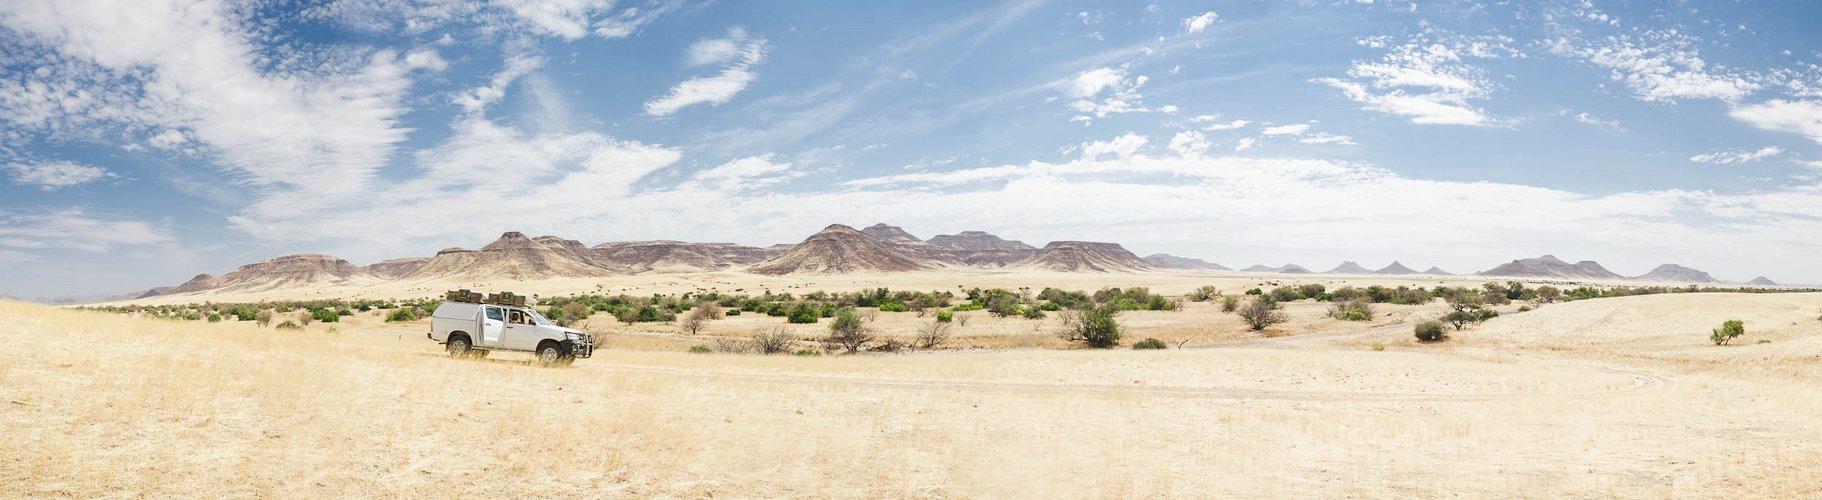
(773, 341)
(934, 334)
(1033, 313)
(1286, 294)
(695, 321)
(214, 318)
(1050, 306)
(1524, 309)
(944, 316)
(325, 315)
(701, 349)
(1546, 294)
(1229, 303)
(1430, 331)
(1261, 313)
(731, 312)
(1204, 293)
(804, 314)
(807, 352)
(1460, 319)
(403, 314)
(263, 318)
(1149, 343)
(1096, 327)
(1255, 291)
(847, 332)
(894, 306)
(1311, 289)
(289, 325)
(1358, 310)
(1728, 331)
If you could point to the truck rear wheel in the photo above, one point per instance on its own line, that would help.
(459, 348)
(550, 354)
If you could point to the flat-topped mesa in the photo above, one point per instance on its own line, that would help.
(1549, 266)
(887, 233)
(515, 256)
(979, 241)
(395, 268)
(1349, 267)
(1395, 268)
(1168, 261)
(840, 249)
(1672, 273)
(288, 270)
(664, 256)
(1085, 256)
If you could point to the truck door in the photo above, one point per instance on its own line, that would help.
(493, 323)
(520, 333)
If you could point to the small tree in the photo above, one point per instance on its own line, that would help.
(934, 334)
(776, 340)
(848, 332)
(1728, 331)
(1546, 294)
(695, 321)
(1429, 331)
(1094, 327)
(1204, 293)
(263, 318)
(1261, 313)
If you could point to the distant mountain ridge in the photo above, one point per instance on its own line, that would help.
(1168, 261)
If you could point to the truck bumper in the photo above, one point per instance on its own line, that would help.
(581, 348)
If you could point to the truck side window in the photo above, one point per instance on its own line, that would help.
(493, 313)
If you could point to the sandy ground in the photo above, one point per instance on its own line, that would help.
(1606, 398)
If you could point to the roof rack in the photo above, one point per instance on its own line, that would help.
(502, 298)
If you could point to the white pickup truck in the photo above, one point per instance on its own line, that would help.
(471, 330)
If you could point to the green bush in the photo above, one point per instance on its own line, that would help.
(1255, 291)
(1311, 289)
(1261, 313)
(325, 315)
(1229, 303)
(894, 307)
(731, 312)
(214, 318)
(1728, 331)
(1050, 306)
(403, 314)
(1032, 313)
(1429, 331)
(945, 316)
(1286, 294)
(804, 314)
(1204, 293)
(848, 332)
(289, 325)
(701, 349)
(1357, 310)
(1095, 327)
(1149, 343)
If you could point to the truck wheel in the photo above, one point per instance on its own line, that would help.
(549, 354)
(459, 348)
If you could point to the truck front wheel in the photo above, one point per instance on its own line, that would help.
(550, 354)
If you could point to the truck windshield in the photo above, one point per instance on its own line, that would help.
(538, 318)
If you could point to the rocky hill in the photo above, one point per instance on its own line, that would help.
(395, 268)
(1437, 271)
(1284, 269)
(278, 272)
(1762, 281)
(978, 241)
(1348, 267)
(1395, 268)
(514, 256)
(1084, 256)
(1672, 273)
(668, 256)
(840, 249)
(1549, 266)
(898, 239)
(1167, 261)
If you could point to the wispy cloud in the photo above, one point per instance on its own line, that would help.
(1802, 117)
(1199, 22)
(1427, 80)
(1734, 156)
(739, 51)
(55, 175)
(1661, 66)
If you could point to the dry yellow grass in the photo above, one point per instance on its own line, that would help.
(1607, 398)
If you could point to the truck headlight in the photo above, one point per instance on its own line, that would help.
(575, 336)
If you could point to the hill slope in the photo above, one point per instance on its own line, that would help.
(839, 249)
(1079, 256)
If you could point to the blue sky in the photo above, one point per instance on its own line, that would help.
(144, 142)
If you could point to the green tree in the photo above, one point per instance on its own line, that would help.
(1728, 331)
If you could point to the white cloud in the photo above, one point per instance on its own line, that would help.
(1099, 92)
(1294, 129)
(1124, 146)
(302, 136)
(1661, 66)
(1199, 22)
(739, 52)
(1327, 138)
(1802, 117)
(75, 229)
(1427, 81)
(54, 175)
(1246, 143)
(1189, 144)
(1588, 119)
(573, 19)
(1731, 157)
(744, 174)
(477, 100)
(1233, 125)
